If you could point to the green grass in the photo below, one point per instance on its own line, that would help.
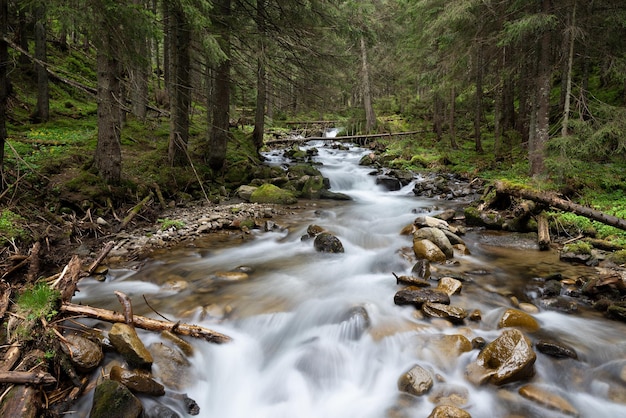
(12, 227)
(38, 301)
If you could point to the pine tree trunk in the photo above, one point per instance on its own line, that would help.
(219, 135)
(261, 98)
(179, 88)
(438, 116)
(108, 157)
(370, 116)
(139, 77)
(568, 77)
(452, 119)
(4, 84)
(43, 97)
(544, 73)
(478, 101)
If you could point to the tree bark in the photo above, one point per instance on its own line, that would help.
(22, 378)
(478, 100)
(219, 135)
(261, 85)
(568, 75)
(43, 96)
(543, 232)
(370, 116)
(108, 157)
(147, 323)
(544, 73)
(452, 119)
(179, 88)
(562, 204)
(139, 77)
(4, 83)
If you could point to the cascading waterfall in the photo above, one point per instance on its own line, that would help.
(318, 335)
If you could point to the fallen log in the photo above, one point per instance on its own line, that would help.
(543, 232)
(340, 138)
(30, 378)
(147, 323)
(565, 205)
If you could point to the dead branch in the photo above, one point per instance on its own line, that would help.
(147, 323)
(105, 251)
(126, 305)
(21, 378)
(340, 138)
(68, 280)
(135, 210)
(5, 294)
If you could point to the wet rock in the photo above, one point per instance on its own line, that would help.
(183, 345)
(411, 281)
(555, 349)
(437, 237)
(561, 304)
(245, 192)
(161, 411)
(425, 249)
(314, 230)
(453, 395)
(418, 296)
(479, 343)
(404, 176)
(617, 311)
(388, 182)
(327, 243)
(113, 399)
(172, 367)
(231, 276)
(84, 354)
(126, 342)
(430, 222)
(421, 269)
(355, 322)
(486, 219)
(416, 381)
(551, 288)
(476, 315)
(508, 358)
(516, 318)
(550, 400)
(453, 314)
(268, 193)
(450, 286)
(327, 194)
(528, 307)
(138, 381)
(449, 411)
(450, 346)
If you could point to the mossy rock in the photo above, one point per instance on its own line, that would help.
(300, 170)
(113, 399)
(239, 173)
(312, 187)
(268, 193)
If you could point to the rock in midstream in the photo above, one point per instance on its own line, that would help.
(416, 381)
(417, 296)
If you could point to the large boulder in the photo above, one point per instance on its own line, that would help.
(84, 354)
(388, 182)
(427, 250)
(125, 340)
(113, 399)
(506, 359)
(327, 243)
(437, 237)
(268, 193)
(171, 366)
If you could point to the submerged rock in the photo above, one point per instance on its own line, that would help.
(113, 399)
(327, 243)
(556, 349)
(171, 366)
(550, 400)
(416, 381)
(508, 358)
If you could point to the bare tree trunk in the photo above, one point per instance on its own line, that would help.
(219, 135)
(139, 77)
(43, 97)
(261, 98)
(438, 116)
(4, 83)
(179, 88)
(108, 157)
(452, 119)
(544, 73)
(478, 101)
(370, 116)
(568, 75)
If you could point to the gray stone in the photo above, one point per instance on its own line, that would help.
(125, 340)
(328, 243)
(84, 354)
(138, 381)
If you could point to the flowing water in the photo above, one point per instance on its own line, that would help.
(318, 335)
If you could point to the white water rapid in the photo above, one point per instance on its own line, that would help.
(318, 335)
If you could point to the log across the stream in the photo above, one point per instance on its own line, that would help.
(558, 203)
(354, 138)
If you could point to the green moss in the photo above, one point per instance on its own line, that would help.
(618, 257)
(170, 223)
(579, 247)
(268, 193)
(12, 227)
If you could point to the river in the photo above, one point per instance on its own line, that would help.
(317, 335)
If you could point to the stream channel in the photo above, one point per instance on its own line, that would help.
(318, 335)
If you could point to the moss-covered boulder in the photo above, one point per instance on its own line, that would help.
(268, 193)
(113, 399)
(312, 187)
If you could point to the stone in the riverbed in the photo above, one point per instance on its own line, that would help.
(411, 281)
(449, 411)
(453, 314)
(388, 182)
(479, 343)
(314, 230)
(560, 303)
(113, 399)
(616, 311)
(416, 381)
(125, 340)
(161, 411)
(268, 193)
(417, 296)
(450, 286)
(183, 345)
(231, 276)
(245, 192)
(520, 319)
(450, 346)
(437, 237)
(421, 269)
(327, 243)
(84, 354)
(138, 381)
(427, 250)
(424, 221)
(556, 349)
(447, 394)
(550, 400)
(171, 366)
(508, 358)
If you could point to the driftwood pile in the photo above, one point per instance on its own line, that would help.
(28, 386)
